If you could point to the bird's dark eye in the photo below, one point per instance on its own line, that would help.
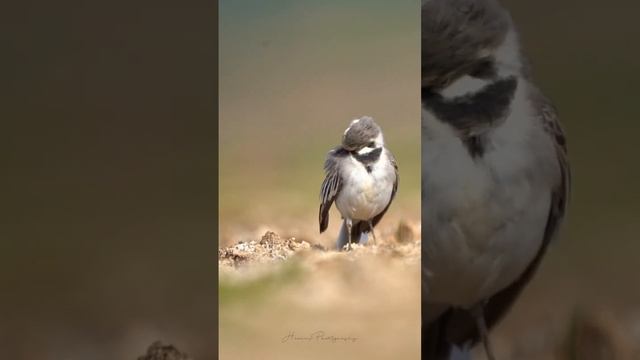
(371, 144)
(484, 69)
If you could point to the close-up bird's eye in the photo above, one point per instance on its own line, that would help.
(371, 144)
(484, 69)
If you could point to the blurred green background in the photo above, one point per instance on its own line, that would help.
(293, 74)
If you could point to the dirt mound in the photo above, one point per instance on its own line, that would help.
(158, 351)
(270, 248)
(403, 242)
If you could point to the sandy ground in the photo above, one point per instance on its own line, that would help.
(293, 299)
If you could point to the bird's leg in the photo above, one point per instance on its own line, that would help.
(348, 222)
(373, 233)
(478, 314)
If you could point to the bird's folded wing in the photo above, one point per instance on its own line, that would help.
(502, 301)
(330, 186)
(377, 218)
(560, 195)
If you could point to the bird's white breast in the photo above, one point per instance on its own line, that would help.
(365, 194)
(484, 218)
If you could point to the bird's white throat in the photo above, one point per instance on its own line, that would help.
(366, 150)
(465, 85)
(378, 142)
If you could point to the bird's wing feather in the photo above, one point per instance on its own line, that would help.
(501, 302)
(378, 217)
(330, 186)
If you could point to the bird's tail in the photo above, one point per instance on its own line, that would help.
(359, 234)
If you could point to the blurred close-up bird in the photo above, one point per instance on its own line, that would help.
(495, 176)
(362, 180)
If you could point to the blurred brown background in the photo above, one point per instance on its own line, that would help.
(107, 233)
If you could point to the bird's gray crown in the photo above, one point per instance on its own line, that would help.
(458, 37)
(361, 133)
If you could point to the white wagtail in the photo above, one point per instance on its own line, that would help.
(495, 175)
(362, 179)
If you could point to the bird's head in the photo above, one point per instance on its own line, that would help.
(363, 136)
(466, 39)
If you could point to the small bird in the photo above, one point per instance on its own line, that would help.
(495, 174)
(362, 179)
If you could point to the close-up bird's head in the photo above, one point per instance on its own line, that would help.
(363, 135)
(466, 38)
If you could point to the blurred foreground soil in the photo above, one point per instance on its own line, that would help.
(292, 299)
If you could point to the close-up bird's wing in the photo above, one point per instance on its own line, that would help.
(549, 118)
(377, 218)
(330, 186)
(503, 300)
